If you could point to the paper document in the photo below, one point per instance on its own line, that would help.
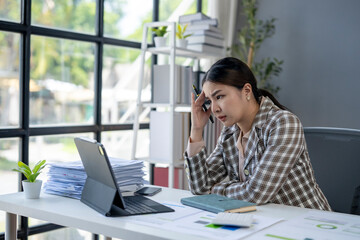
(198, 222)
(68, 178)
(314, 225)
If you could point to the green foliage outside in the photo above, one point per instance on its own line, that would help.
(10, 9)
(6, 164)
(68, 145)
(61, 59)
(251, 36)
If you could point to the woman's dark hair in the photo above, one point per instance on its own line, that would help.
(233, 72)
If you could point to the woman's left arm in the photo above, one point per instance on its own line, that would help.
(284, 145)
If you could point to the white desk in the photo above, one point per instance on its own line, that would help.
(73, 213)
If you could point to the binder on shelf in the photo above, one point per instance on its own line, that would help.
(162, 83)
(188, 78)
(184, 77)
(185, 130)
(161, 139)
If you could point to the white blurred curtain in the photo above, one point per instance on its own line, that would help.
(226, 11)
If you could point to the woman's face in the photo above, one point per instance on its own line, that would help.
(228, 103)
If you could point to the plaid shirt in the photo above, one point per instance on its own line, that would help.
(277, 165)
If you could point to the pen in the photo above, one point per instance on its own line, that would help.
(204, 106)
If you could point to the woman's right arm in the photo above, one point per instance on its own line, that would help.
(204, 172)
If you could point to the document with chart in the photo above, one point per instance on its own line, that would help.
(198, 222)
(314, 225)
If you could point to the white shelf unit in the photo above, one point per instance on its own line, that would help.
(172, 51)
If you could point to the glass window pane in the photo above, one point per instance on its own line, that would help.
(121, 71)
(62, 81)
(54, 148)
(118, 144)
(170, 10)
(205, 6)
(124, 18)
(9, 79)
(10, 10)
(76, 16)
(9, 156)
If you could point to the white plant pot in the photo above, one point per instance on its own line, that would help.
(32, 189)
(160, 41)
(181, 43)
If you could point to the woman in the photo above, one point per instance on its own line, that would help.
(261, 154)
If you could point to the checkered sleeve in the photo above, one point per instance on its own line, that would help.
(203, 172)
(283, 146)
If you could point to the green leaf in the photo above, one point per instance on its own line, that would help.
(25, 170)
(38, 166)
(17, 170)
(23, 165)
(33, 177)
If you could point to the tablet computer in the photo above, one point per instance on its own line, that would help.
(101, 191)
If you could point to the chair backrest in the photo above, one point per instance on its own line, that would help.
(335, 157)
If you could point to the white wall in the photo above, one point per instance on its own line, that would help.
(319, 40)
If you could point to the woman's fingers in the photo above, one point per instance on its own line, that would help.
(201, 98)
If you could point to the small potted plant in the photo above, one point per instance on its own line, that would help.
(181, 37)
(160, 40)
(31, 186)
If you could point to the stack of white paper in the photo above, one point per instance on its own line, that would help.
(68, 178)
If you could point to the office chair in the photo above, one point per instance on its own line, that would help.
(335, 156)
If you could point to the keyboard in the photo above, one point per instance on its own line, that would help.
(134, 207)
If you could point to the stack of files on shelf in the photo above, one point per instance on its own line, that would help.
(206, 36)
(68, 178)
(184, 77)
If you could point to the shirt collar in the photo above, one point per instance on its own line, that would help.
(261, 116)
